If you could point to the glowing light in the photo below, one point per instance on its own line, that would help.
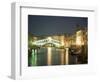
(49, 53)
(49, 38)
(46, 41)
(62, 41)
(78, 40)
(66, 56)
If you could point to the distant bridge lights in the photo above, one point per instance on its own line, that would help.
(49, 40)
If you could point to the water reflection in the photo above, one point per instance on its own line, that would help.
(49, 56)
(62, 57)
(66, 56)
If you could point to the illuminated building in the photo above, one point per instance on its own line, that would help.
(79, 38)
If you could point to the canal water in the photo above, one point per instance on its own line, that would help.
(48, 56)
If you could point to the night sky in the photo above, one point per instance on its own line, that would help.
(53, 25)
